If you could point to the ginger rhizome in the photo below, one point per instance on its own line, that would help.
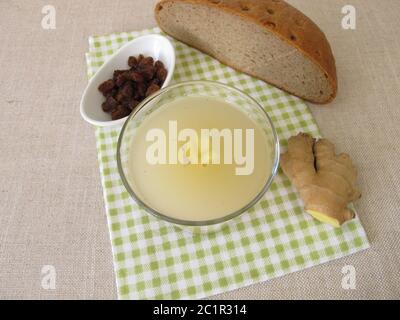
(325, 181)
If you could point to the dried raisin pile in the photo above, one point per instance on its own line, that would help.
(129, 87)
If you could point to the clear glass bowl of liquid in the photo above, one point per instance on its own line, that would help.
(198, 154)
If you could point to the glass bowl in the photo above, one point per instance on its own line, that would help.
(224, 92)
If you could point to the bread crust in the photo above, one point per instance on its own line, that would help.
(287, 23)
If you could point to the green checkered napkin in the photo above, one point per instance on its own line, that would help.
(155, 260)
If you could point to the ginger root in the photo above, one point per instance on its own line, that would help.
(325, 181)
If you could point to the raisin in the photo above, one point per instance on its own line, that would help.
(132, 62)
(105, 107)
(159, 65)
(109, 104)
(119, 97)
(112, 102)
(131, 104)
(147, 72)
(140, 58)
(106, 86)
(161, 75)
(135, 76)
(148, 62)
(111, 93)
(117, 73)
(120, 112)
(155, 81)
(153, 88)
(121, 79)
(127, 90)
(140, 90)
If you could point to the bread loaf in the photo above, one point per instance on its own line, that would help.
(268, 39)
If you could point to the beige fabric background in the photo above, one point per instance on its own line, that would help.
(51, 205)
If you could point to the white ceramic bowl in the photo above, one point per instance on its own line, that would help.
(154, 45)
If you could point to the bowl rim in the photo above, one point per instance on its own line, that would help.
(193, 223)
(168, 79)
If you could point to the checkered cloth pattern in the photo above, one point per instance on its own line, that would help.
(156, 260)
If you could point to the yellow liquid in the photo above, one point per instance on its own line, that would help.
(197, 192)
